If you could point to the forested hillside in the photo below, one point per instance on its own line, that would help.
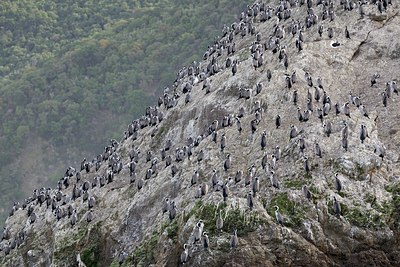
(75, 73)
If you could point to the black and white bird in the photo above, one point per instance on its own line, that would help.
(278, 216)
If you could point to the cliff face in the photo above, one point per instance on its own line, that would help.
(128, 221)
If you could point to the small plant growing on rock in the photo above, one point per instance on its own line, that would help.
(292, 213)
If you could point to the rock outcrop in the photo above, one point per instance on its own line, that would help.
(133, 180)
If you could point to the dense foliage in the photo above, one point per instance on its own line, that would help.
(76, 72)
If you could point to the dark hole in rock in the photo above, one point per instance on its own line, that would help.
(335, 44)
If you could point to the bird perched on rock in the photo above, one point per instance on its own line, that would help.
(205, 241)
(336, 207)
(306, 192)
(278, 216)
(234, 240)
(338, 183)
(347, 33)
(185, 254)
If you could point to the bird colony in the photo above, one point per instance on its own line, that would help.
(282, 121)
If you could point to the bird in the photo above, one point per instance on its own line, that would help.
(238, 125)
(344, 143)
(121, 257)
(256, 185)
(259, 87)
(165, 205)
(228, 62)
(319, 84)
(253, 124)
(234, 67)
(380, 150)
(223, 142)
(263, 140)
(330, 32)
(188, 98)
(204, 189)
(172, 211)
(227, 163)
(375, 78)
(380, 6)
(306, 115)
(200, 155)
(293, 131)
(225, 190)
(198, 192)
(198, 230)
(363, 133)
(346, 109)
(295, 97)
(73, 218)
(214, 135)
(269, 74)
(91, 202)
(6, 233)
(274, 180)
(306, 192)
(384, 98)
(79, 260)
(364, 111)
(238, 176)
(174, 170)
(264, 160)
(277, 121)
(320, 30)
(361, 11)
(184, 254)
(345, 130)
(293, 77)
(302, 144)
(272, 162)
(206, 241)
(278, 216)
(337, 109)
(277, 153)
(326, 108)
(250, 200)
(219, 221)
(336, 207)
(307, 166)
(241, 112)
(299, 114)
(89, 216)
(347, 33)
(320, 114)
(317, 149)
(338, 183)
(309, 105)
(393, 87)
(234, 240)
(195, 177)
(248, 178)
(327, 128)
(214, 178)
(32, 218)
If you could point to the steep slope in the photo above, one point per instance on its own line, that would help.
(68, 83)
(134, 178)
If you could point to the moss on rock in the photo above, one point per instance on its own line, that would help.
(143, 255)
(293, 214)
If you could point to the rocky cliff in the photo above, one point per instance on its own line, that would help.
(278, 148)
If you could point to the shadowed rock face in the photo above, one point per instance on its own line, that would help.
(365, 231)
